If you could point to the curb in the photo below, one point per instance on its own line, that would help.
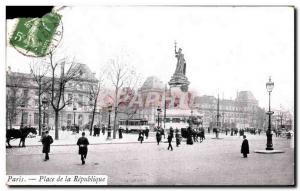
(269, 151)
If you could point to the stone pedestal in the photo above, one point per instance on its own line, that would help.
(179, 98)
(179, 80)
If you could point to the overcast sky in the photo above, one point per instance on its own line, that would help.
(226, 49)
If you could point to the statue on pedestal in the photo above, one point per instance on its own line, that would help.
(179, 79)
(181, 64)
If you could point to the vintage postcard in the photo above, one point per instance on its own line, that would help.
(150, 96)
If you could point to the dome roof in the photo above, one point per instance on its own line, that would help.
(245, 96)
(87, 72)
(152, 82)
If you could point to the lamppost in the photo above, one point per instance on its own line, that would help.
(218, 117)
(269, 86)
(109, 128)
(30, 120)
(44, 103)
(158, 112)
(22, 116)
(99, 117)
(74, 109)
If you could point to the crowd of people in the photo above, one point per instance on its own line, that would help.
(191, 134)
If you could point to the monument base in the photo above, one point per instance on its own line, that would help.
(180, 99)
(179, 80)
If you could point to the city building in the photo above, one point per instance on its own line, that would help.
(242, 112)
(21, 88)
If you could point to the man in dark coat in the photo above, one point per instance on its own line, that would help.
(83, 143)
(170, 142)
(103, 129)
(245, 147)
(120, 133)
(158, 136)
(46, 141)
(189, 139)
(146, 132)
(172, 132)
(141, 137)
(177, 136)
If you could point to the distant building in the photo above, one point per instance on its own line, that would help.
(242, 112)
(26, 90)
(282, 120)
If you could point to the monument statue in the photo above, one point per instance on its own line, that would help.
(181, 64)
(179, 79)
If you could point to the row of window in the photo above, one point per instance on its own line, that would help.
(27, 118)
(229, 108)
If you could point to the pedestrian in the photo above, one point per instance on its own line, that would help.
(120, 133)
(158, 136)
(146, 132)
(141, 137)
(189, 139)
(194, 132)
(202, 134)
(245, 147)
(77, 128)
(83, 143)
(46, 141)
(177, 136)
(103, 129)
(170, 142)
(163, 133)
(172, 132)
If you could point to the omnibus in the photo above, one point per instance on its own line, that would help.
(133, 125)
(179, 119)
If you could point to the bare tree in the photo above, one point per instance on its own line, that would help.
(14, 97)
(121, 74)
(94, 91)
(68, 71)
(39, 70)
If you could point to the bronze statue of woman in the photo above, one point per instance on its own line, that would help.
(181, 65)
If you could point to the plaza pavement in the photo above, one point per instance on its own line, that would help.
(212, 162)
(69, 138)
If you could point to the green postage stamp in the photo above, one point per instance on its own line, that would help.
(37, 36)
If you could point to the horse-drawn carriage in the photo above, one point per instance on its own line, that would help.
(21, 134)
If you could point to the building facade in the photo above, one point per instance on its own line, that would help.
(242, 112)
(22, 101)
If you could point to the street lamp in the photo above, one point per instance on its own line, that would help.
(218, 117)
(158, 112)
(44, 103)
(109, 128)
(99, 117)
(269, 86)
(30, 120)
(74, 109)
(22, 116)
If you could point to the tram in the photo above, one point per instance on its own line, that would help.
(133, 125)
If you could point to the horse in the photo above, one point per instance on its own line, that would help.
(19, 133)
